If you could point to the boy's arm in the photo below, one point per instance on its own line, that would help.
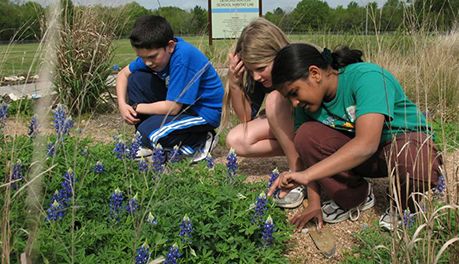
(159, 108)
(127, 112)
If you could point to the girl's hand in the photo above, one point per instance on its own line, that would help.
(313, 211)
(235, 69)
(285, 183)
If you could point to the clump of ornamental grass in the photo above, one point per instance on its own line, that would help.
(84, 57)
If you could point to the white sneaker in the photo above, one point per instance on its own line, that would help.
(293, 199)
(333, 213)
(209, 145)
(143, 153)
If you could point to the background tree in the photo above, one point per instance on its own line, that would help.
(311, 15)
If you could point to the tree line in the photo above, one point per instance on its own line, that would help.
(25, 20)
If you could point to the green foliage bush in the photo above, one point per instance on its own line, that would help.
(220, 212)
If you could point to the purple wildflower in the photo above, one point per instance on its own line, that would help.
(120, 148)
(33, 127)
(408, 218)
(62, 123)
(16, 174)
(116, 67)
(175, 155)
(158, 158)
(132, 205)
(3, 112)
(441, 185)
(267, 233)
(142, 254)
(143, 165)
(51, 149)
(260, 208)
(172, 255)
(55, 211)
(134, 147)
(116, 201)
(210, 161)
(186, 228)
(99, 167)
(273, 176)
(68, 186)
(231, 164)
(151, 219)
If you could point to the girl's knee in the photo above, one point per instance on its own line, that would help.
(277, 104)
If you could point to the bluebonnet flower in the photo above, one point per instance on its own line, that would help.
(441, 184)
(3, 112)
(116, 67)
(175, 155)
(51, 148)
(158, 158)
(210, 162)
(260, 208)
(16, 174)
(172, 255)
(186, 228)
(68, 186)
(116, 201)
(143, 165)
(120, 148)
(62, 123)
(135, 146)
(231, 163)
(132, 205)
(267, 232)
(55, 211)
(99, 167)
(408, 218)
(142, 254)
(33, 127)
(151, 219)
(272, 177)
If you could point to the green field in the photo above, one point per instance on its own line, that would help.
(21, 59)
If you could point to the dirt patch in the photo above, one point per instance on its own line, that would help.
(102, 128)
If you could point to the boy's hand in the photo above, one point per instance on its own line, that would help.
(128, 114)
(235, 69)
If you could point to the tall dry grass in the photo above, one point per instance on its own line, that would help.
(84, 57)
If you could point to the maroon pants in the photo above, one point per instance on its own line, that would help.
(411, 159)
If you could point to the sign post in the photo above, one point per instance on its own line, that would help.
(227, 18)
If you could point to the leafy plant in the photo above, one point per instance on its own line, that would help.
(208, 218)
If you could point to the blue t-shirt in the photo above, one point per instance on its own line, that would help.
(191, 80)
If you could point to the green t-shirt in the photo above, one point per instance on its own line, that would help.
(367, 88)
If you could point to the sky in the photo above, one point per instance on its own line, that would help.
(267, 5)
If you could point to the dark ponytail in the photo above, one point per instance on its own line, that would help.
(293, 61)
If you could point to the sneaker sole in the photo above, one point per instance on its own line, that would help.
(292, 205)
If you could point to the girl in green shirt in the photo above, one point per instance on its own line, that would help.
(354, 122)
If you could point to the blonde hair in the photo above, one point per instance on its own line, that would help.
(259, 43)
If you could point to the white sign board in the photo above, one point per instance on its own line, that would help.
(229, 17)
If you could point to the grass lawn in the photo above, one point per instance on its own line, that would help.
(20, 59)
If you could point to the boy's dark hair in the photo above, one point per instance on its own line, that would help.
(151, 32)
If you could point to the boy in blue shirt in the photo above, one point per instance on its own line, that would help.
(174, 93)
